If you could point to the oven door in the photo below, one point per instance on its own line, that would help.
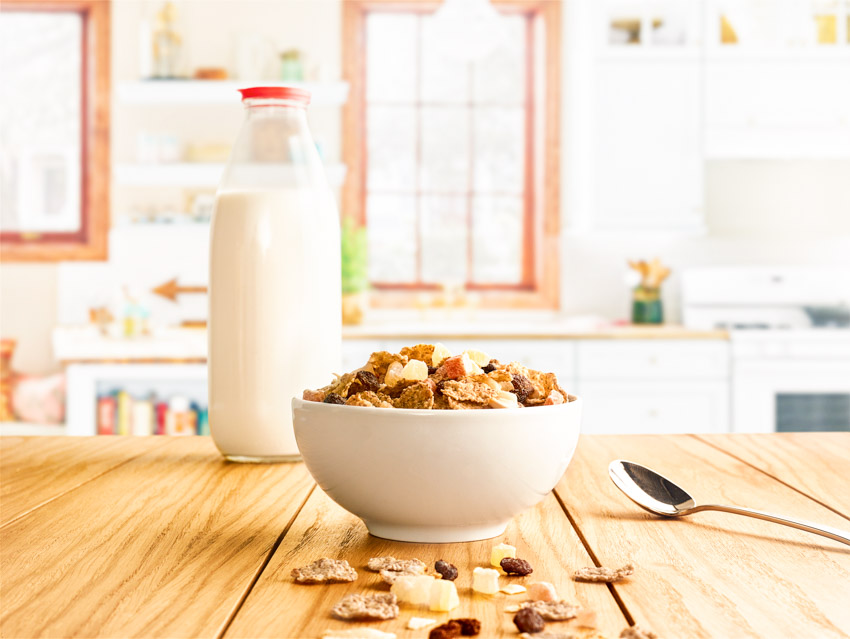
(782, 395)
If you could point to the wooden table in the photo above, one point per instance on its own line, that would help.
(159, 537)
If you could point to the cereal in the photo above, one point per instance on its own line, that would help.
(313, 396)
(333, 398)
(417, 623)
(413, 590)
(444, 595)
(439, 355)
(418, 395)
(549, 635)
(602, 574)
(485, 581)
(515, 566)
(324, 570)
(369, 398)
(522, 387)
(542, 591)
(415, 370)
(512, 589)
(380, 361)
(553, 610)
(527, 620)
(636, 632)
(363, 381)
(422, 352)
(358, 633)
(377, 564)
(390, 576)
(469, 391)
(447, 571)
(468, 627)
(448, 630)
(355, 606)
(499, 552)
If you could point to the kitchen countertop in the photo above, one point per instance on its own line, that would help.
(160, 537)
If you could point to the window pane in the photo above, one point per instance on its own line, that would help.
(391, 41)
(500, 77)
(499, 149)
(392, 238)
(40, 177)
(497, 239)
(444, 236)
(444, 79)
(445, 149)
(391, 147)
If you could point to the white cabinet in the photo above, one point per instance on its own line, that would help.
(647, 144)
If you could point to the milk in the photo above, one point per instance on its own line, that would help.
(274, 325)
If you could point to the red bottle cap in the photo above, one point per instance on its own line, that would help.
(277, 93)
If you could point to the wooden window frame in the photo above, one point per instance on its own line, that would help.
(90, 241)
(540, 289)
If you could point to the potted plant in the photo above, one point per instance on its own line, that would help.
(355, 270)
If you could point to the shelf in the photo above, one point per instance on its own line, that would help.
(776, 143)
(188, 174)
(171, 92)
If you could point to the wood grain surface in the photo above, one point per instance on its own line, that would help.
(35, 470)
(165, 545)
(278, 607)
(816, 466)
(711, 574)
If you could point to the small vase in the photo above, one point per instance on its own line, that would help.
(646, 306)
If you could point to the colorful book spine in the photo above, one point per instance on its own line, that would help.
(124, 413)
(142, 417)
(106, 407)
(161, 418)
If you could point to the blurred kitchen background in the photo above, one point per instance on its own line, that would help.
(649, 197)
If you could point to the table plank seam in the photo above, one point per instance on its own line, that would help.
(611, 588)
(82, 483)
(259, 572)
(774, 477)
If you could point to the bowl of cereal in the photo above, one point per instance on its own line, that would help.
(430, 447)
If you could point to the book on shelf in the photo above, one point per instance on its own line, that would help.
(120, 413)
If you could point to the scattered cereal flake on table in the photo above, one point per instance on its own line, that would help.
(444, 596)
(413, 590)
(485, 580)
(636, 632)
(356, 606)
(499, 552)
(542, 591)
(512, 589)
(603, 574)
(358, 633)
(377, 564)
(553, 610)
(417, 623)
(390, 576)
(324, 570)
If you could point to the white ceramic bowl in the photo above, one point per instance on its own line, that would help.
(436, 475)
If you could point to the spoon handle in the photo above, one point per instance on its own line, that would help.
(818, 529)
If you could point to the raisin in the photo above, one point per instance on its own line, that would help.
(529, 620)
(468, 627)
(448, 630)
(522, 387)
(363, 381)
(447, 570)
(333, 398)
(432, 370)
(514, 566)
(492, 365)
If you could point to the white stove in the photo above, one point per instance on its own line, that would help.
(790, 334)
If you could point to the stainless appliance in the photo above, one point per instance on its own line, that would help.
(790, 337)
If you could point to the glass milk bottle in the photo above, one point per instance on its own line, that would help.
(274, 290)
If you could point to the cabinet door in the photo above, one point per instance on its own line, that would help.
(647, 144)
(654, 407)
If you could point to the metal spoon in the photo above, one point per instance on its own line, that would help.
(659, 495)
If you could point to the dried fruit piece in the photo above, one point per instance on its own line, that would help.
(377, 564)
(444, 595)
(415, 370)
(542, 591)
(602, 574)
(554, 635)
(554, 398)
(504, 399)
(516, 566)
(413, 590)
(355, 606)
(447, 571)
(417, 623)
(457, 367)
(586, 618)
(393, 375)
(522, 387)
(439, 355)
(636, 632)
(499, 552)
(448, 630)
(492, 365)
(553, 610)
(313, 396)
(358, 633)
(380, 361)
(527, 620)
(485, 581)
(479, 357)
(369, 398)
(363, 381)
(469, 627)
(333, 398)
(512, 589)
(324, 570)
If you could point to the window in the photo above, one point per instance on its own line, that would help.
(54, 161)
(448, 158)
